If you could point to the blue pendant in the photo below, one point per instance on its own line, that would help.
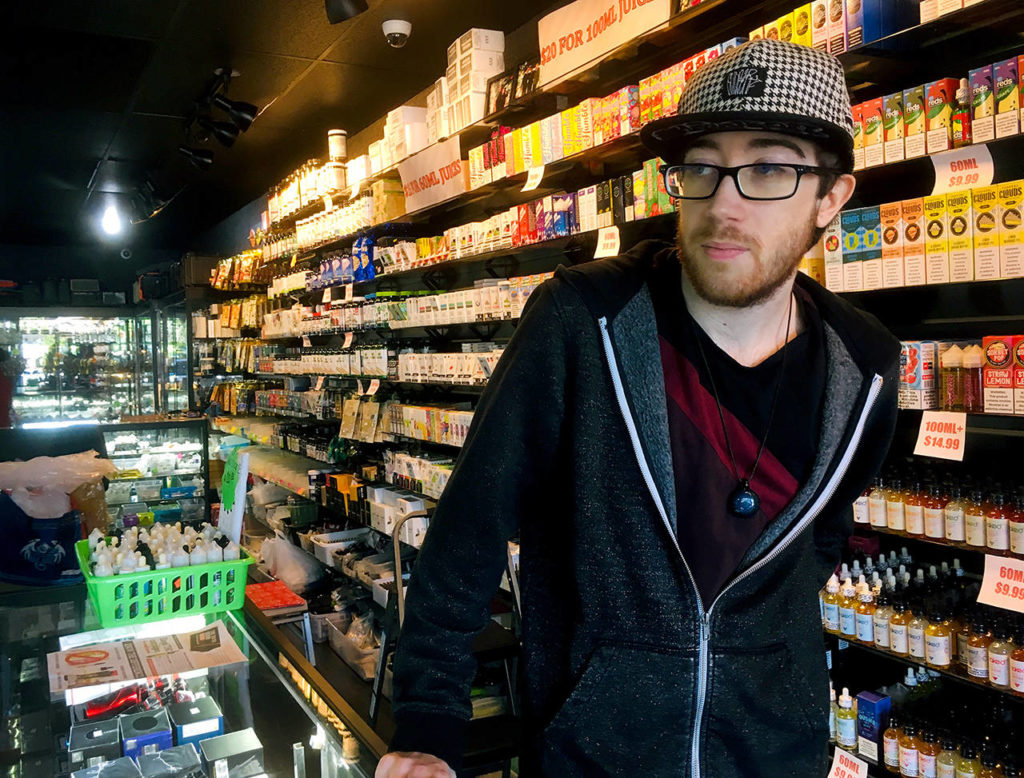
(743, 501)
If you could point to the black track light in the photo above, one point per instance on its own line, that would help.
(225, 132)
(341, 10)
(200, 158)
(240, 113)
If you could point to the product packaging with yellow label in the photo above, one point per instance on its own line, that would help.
(1011, 234)
(936, 239)
(941, 96)
(857, 111)
(819, 24)
(870, 233)
(832, 242)
(874, 120)
(961, 235)
(836, 26)
(914, 266)
(892, 244)
(983, 104)
(853, 268)
(986, 233)
(802, 25)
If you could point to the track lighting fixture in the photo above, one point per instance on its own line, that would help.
(342, 10)
(225, 132)
(240, 113)
(200, 158)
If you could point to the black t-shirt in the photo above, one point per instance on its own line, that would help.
(712, 539)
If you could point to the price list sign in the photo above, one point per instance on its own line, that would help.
(1003, 584)
(845, 765)
(941, 435)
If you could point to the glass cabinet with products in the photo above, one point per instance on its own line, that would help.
(172, 363)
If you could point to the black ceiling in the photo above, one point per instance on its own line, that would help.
(96, 93)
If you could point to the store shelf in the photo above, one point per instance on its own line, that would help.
(977, 423)
(352, 380)
(949, 544)
(187, 474)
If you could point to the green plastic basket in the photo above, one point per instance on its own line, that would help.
(155, 595)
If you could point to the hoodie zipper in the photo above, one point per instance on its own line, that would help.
(704, 661)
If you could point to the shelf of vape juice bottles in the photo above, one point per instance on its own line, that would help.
(927, 613)
(924, 728)
(964, 512)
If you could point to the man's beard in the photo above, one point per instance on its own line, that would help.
(771, 268)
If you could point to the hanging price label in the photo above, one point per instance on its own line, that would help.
(359, 387)
(348, 339)
(846, 765)
(328, 203)
(607, 242)
(534, 178)
(1003, 584)
(355, 190)
(964, 168)
(348, 292)
(319, 382)
(326, 299)
(306, 342)
(941, 435)
(374, 386)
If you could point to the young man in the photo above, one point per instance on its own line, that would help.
(676, 435)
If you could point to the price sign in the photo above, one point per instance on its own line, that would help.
(348, 339)
(1003, 584)
(941, 435)
(607, 242)
(534, 178)
(326, 299)
(963, 168)
(348, 291)
(359, 387)
(328, 203)
(319, 382)
(374, 386)
(354, 191)
(306, 342)
(846, 765)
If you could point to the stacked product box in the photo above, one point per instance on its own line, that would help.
(475, 57)
(437, 111)
(998, 372)
(405, 131)
(918, 388)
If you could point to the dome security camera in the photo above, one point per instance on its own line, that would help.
(397, 32)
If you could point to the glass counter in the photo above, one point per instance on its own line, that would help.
(298, 734)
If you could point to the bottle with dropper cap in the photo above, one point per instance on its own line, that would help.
(968, 765)
(939, 639)
(997, 524)
(1017, 663)
(909, 751)
(895, 514)
(883, 612)
(891, 744)
(846, 722)
(848, 610)
(865, 614)
(831, 713)
(876, 504)
(830, 605)
(898, 637)
(913, 507)
(953, 516)
(999, 655)
(977, 648)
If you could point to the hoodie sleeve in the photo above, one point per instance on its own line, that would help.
(510, 452)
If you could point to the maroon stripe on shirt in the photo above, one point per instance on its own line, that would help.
(774, 484)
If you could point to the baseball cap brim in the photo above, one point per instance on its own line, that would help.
(671, 136)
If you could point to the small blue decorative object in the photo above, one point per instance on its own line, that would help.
(743, 501)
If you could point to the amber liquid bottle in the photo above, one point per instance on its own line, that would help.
(1017, 664)
(934, 521)
(974, 519)
(977, 650)
(997, 524)
(895, 514)
(876, 504)
(928, 753)
(953, 516)
(938, 639)
(891, 745)
(913, 508)
(898, 635)
(909, 751)
(1017, 526)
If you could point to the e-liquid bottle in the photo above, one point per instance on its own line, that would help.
(951, 379)
(973, 361)
(934, 522)
(1011, 768)
(860, 508)
(974, 519)
(891, 744)
(830, 605)
(883, 612)
(898, 627)
(953, 516)
(963, 634)
(895, 516)
(989, 764)
(876, 504)
(831, 713)
(916, 629)
(999, 655)
(960, 120)
(913, 508)
(1017, 664)
(939, 640)
(997, 523)
(1017, 526)
(977, 649)
(846, 722)
(968, 765)
(909, 751)
(865, 616)
(945, 765)
(928, 750)
(847, 610)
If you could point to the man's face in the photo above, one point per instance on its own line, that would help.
(737, 252)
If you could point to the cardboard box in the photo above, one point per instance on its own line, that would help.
(960, 216)
(914, 264)
(1011, 233)
(785, 25)
(870, 233)
(872, 720)
(639, 203)
(918, 385)
(983, 104)
(943, 7)
(857, 111)
(837, 42)
(1007, 89)
(929, 10)
(145, 733)
(1018, 376)
(819, 24)
(757, 32)
(914, 124)
(853, 269)
(195, 721)
(893, 127)
(813, 262)
(986, 232)
(997, 373)
(476, 38)
(874, 137)
(941, 97)
(832, 241)
(771, 30)
(892, 244)
(936, 240)
(802, 25)
(869, 20)
(231, 750)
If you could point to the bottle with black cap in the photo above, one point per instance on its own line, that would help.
(989, 764)
(891, 744)
(968, 765)
(909, 751)
(945, 765)
(928, 753)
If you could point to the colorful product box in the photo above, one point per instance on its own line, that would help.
(918, 386)
(870, 235)
(145, 733)
(943, 7)
(853, 268)
(771, 30)
(914, 109)
(757, 32)
(1011, 233)
(639, 202)
(1007, 89)
(819, 24)
(936, 240)
(892, 244)
(872, 720)
(837, 41)
(857, 111)
(997, 373)
(914, 264)
(893, 127)
(961, 235)
(940, 96)
(651, 176)
(983, 104)
(785, 25)
(986, 232)
(1020, 96)
(929, 11)
(869, 20)
(832, 241)
(802, 25)
(1018, 376)
(585, 123)
(873, 112)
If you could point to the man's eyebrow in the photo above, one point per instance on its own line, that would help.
(767, 143)
(704, 143)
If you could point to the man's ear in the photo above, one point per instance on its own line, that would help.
(835, 199)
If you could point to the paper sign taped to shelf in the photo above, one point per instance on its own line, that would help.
(328, 203)
(586, 30)
(964, 168)
(374, 386)
(434, 174)
(326, 299)
(319, 382)
(359, 387)
(306, 343)
(941, 435)
(354, 190)
(348, 339)
(135, 660)
(348, 291)
(1003, 584)
(534, 178)
(846, 765)
(607, 242)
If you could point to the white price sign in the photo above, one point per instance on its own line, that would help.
(846, 765)
(306, 342)
(328, 203)
(348, 339)
(348, 291)
(534, 178)
(374, 386)
(607, 242)
(319, 382)
(941, 435)
(326, 299)
(354, 190)
(964, 168)
(1003, 584)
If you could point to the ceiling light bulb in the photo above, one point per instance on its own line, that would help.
(111, 221)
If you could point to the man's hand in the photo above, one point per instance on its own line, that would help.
(412, 765)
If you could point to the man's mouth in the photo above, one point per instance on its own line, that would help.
(721, 251)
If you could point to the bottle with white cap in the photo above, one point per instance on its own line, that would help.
(846, 722)
(830, 603)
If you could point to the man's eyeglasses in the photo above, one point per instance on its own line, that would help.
(757, 181)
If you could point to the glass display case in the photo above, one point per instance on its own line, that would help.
(142, 344)
(163, 472)
(172, 366)
(283, 731)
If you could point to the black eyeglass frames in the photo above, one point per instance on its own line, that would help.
(756, 181)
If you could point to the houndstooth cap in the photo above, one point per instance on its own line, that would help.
(768, 85)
